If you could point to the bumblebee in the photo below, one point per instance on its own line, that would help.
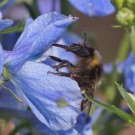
(87, 72)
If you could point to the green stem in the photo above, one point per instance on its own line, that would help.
(123, 49)
(132, 38)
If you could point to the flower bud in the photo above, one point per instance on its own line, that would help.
(118, 4)
(130, 4)
(125, 17)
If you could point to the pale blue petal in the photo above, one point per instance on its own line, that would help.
(96, 114)
(38, 38)
(1, 59)
(93, 7)
(69, 132)
(128, 68)
(67, 39)
(44, 92)
(28, 22)
(8, 40)
(129, 74)
(5, 23)
(84, 127)
(41, 128)
(108, 68)
(46, 6)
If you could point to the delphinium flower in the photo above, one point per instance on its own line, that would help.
(4, 23)
(126, 67)
(8, 40)
(82, 126)
(46, 6)
(5, 5)
(67, 39)
(48, 96)
(129, 73)
(93, 7)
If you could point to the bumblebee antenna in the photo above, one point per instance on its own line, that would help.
(85, 36)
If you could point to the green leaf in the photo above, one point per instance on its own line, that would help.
(17, 28)
(114, 109)
(132, 96)
(127, 97)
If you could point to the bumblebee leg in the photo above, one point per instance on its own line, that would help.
(55, 58)
(71, 48)
(61, 46)
(63, 63)
(71, 75)
(86, 105)
(77, 49)
(60, 73)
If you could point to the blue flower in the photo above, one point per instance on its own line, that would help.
(129, 73)
(7, 5)
(48, 96)
(93, 7)
(37, 38)
(108, 68)
(1, 59)
(46, 6)
(67, 39)
(8, 40)
(4, 23)
(83, 125)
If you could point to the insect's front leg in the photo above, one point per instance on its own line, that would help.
(71, 75)
(60, 73)
(77, 49)
(71, 48)
(63, 63)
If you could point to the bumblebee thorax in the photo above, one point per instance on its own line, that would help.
(95, 60)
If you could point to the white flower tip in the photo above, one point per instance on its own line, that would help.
(74, 18)
(0, 15)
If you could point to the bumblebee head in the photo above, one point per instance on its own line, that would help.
(91, 52)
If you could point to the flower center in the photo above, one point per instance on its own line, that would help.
(61, 103)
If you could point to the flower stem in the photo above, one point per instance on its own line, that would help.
(123, 48)
(132, 38)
